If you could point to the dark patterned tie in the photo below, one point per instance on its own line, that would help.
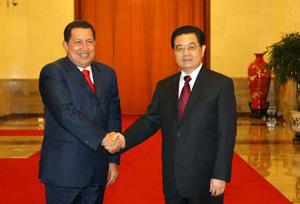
(86, 74)
(184, 95)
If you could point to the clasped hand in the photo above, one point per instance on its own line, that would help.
(113, 142)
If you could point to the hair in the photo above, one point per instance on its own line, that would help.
(77, 24)
(186, 29)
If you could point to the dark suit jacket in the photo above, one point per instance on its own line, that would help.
(199, 146)
(76, 122)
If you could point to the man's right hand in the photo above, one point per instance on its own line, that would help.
(113, 142)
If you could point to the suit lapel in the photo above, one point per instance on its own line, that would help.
(174, 94)
(98, 80)
(196, 92)
(77, 75)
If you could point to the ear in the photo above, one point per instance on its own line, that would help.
(65, 45)
(203, 49)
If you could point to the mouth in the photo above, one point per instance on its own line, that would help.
(187, 60)
(83, 55)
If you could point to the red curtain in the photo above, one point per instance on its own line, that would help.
(133, 37)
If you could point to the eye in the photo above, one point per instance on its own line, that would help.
(91, 42)
(192, 46)
(179, 48)
(77, 42)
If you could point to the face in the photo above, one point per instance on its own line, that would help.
(81, 47)
(188, 52)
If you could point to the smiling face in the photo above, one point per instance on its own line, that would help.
(80, 48)
(188, 52)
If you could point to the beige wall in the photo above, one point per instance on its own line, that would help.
(31, 35)
(240, 28)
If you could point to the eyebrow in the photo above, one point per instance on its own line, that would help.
(187, 44)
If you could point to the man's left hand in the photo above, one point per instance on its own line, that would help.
(112, 173)
(217, 187)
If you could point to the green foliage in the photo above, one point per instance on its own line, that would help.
(284, 58)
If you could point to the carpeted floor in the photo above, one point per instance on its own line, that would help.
(10, 132)
(139, 180)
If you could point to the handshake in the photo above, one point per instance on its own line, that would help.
(113, 142)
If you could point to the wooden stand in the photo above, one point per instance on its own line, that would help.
(296, 139)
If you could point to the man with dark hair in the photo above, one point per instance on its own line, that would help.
(77, 24)
(195, 110)
(82, 106)
(186, 29)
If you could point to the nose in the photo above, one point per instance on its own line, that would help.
(85, 46)
(186, 51)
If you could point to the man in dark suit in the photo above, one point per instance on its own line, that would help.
(81, 106)
(195, 110)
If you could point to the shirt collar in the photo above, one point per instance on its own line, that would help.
(86, 68)
(193, 75)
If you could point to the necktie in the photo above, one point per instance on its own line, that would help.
(86, 74)
(184, 95)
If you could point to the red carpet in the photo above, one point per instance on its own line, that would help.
(21, 132)
(139, 180)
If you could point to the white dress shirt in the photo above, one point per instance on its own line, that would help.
(193, 76)
(90, 69)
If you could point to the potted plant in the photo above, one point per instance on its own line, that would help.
(284, 62)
